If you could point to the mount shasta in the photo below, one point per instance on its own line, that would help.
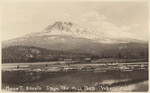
(69, 37)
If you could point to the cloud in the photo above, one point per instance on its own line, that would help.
(92, 16)
(136, 25)
(100, 24)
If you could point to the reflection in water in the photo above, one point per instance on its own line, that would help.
(108, 81)
(111, 81)
(142, 86)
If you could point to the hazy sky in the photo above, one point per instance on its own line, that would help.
(20, 18)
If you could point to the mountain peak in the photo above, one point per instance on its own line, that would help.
(63, 22)
(62, 26)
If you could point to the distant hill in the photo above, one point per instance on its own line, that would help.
(19, 54)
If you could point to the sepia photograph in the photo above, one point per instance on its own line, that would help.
(74, 46)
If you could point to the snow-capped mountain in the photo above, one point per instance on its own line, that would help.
(70, 29)
(64, 28)
(68, 36)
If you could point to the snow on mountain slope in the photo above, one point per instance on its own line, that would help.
(67, 36)
(70, 29)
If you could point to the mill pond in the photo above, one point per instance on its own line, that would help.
(62, 76)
